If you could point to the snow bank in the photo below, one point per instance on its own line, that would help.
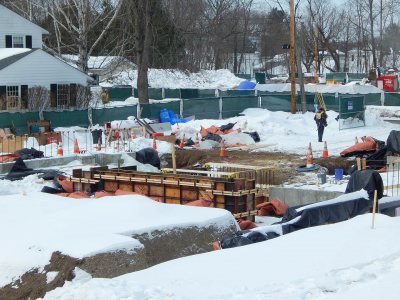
(175, 79)
(33, 226)
(339, 261)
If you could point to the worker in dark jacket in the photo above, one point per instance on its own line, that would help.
(320, 118)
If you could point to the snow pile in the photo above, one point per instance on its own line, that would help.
(321, 88)
(32, 227)
(343, 261)
(175, 79)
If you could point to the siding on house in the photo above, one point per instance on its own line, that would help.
(41, 69)
(14, 24)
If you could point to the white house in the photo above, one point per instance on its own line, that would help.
(18, 32)
(25, 68)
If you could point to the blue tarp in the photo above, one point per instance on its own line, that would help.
(246, 85)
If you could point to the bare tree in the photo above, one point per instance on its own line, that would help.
(74, 23)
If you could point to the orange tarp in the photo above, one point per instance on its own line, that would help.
(275, 207)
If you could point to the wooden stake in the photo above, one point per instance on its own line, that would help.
(363, 164)
(374, 209)
(173, 158)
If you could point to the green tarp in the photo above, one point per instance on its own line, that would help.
(172, 93)
(101, 116)
(260, 78)
(152, 111)
(232, 106)
(17, 120)
(67, 118)
(276, 102)
(154, 93)
(201, 108)
(392, 99)
(119, 93)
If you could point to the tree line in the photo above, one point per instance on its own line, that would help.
(213, 34)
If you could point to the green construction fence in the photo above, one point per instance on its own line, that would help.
(67, 118)
(152, 111)
(392, 99)
(18, 120)
(201, 108)
(119, 93)
(103, 115)
(232, 106)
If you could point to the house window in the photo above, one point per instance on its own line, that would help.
(18, 42)
(13, 99)
(62, 96)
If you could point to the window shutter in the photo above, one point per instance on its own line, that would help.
(24, 96)
(3, 94)
(53, 95)
(72, 94)
(28, 41)
(8, 41)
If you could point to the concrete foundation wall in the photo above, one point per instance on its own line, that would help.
(298, 197)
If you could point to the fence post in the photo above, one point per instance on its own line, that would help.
(138, 110)
(181, 108)
(259, 101)
(220, 108)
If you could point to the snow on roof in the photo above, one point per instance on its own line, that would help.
(8, 52)
(33, 226)
(322, 88)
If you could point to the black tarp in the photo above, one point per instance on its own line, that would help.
(330, 211)
(227, 126)
(393, 142)
(32, 153)
(377, 160)
(148, 156)
(322, 214)
(243, 238)
(368, 180)
(19, 170)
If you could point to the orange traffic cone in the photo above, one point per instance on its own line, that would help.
(310, 162)
(222, 150)
(60, 151)
(154, 144)
(76, 147)
(325, 151)
(196, 142)
(356, 140)
(182, 143)
(98, 147)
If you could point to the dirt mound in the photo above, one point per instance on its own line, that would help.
(33, 284)
(159, 246)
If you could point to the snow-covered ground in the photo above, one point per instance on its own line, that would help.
(175, 79)
(348, 260)
(33, 225)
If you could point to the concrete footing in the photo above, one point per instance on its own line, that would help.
(101, 159)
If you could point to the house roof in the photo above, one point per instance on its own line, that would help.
(8, 56)
(44, 31)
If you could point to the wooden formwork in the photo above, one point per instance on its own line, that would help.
(263, 176)
(234, 194)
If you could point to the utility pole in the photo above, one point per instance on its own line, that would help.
(292, 62)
